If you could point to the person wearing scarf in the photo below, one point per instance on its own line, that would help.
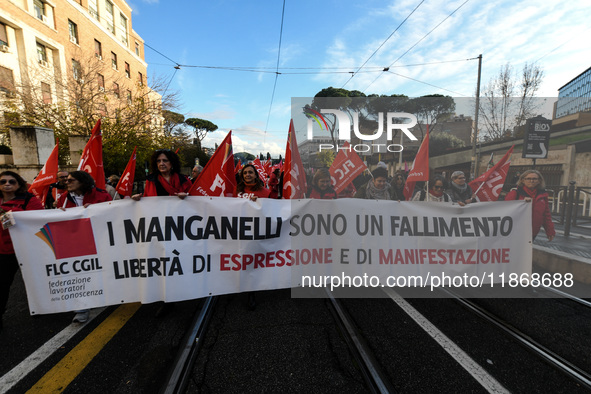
(459, 190)
(435, 193)
(531, 188)
(321, 186)
(250, 185)
(377, 188)
(165, 179)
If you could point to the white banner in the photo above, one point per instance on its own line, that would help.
(170, 249)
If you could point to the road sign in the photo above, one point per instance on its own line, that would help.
(537, 138)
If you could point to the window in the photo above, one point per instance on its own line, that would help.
(73, 28)
(42, 54)
(123, 28)
(127, 72)
(140, 78)
(116, 89)
(77, 70)
(3, 35)
(98, 49)
(109, 16)
(6, 80)
(128, 96)
(46, 92)
(137, 48)
(39, 8)
(114, 60)
(101, 82)
(93, 9)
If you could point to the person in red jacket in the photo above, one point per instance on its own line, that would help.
(166, 178)
(14, 197)
(531, 187)
(250, 185)
(82, 192)
(321, 186)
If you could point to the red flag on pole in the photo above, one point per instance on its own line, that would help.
(260, 169)
(238, 167)
(419, 170)
(488, 186)
(92, 157)
(217, 178)
(294, 179)
(345, 167)
(125, 184)
(46, 176)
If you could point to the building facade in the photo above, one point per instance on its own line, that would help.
(575, 96)
(83, 53)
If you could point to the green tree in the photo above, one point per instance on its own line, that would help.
(440, 143)
(201, 128)
(325, 158)
(431, 109)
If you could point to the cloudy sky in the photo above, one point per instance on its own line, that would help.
(229, 51)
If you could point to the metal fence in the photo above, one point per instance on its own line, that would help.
(572, 204)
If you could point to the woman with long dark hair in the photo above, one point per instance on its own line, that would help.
(532, 188)
(166, 178)
(250, 185)
(13, 197)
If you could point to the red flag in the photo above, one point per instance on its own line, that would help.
(419, 171)
(488, 186)
(345, 167)
(125, 184)
(217, 178)
(294, 179)
(238, 167)
(267, 167)
(260, 169)
(46, 176)
(92, 157)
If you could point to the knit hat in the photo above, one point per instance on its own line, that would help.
(382, 164)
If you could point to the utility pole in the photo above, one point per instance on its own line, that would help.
(474, 164)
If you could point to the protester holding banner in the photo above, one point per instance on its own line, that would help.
(13, 190)
(436, 191)
(397, 190)
(321, 186)
(459, 190)
(531, 188)
(56, 189)
(166, 178)
(82, 191)
(250, 184)
(377, 188)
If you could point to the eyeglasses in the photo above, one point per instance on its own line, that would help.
(437, 187)
(461, 177)
(71, 180)
(531, 179)
(63, 177)
(10, 181)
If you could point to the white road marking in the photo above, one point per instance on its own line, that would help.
(17, 373)
(484, 378)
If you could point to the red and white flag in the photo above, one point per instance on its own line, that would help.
(260, 169)
(217, 178)
(294, 179)
(92, 157)
(46, 176)
(125, 184)
(345, 167)
(419, 170)
(488, 186)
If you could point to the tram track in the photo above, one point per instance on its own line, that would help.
(537, 348)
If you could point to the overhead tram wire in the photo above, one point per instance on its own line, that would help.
(417, 43)
(427, 83)
(382, 44)
(276, 70)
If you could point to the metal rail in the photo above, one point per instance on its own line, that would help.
(569, 296)
(372, 374)
(178, 377)
(548, 355)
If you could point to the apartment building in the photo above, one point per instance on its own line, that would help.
(56, 48)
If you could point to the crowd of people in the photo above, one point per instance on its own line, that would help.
(78, 189)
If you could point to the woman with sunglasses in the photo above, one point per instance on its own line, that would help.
(166, 178)
(82, 192)
(250, 185)
(436, 191)
(13, 197)
(459, 190)
(531, 188)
